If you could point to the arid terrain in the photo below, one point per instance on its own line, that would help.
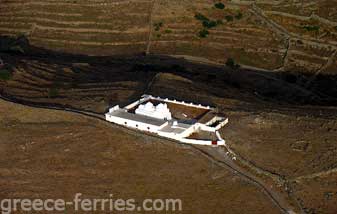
(93, 158)
(282, 135)
(269, 66)
(292, 35)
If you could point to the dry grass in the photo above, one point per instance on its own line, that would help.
(49, 154)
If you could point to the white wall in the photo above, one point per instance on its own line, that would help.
(178, 102)
(202, 142)
(134, 124)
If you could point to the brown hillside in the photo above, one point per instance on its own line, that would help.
(298, 36)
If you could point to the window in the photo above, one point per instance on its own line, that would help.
(125, 123)
(137, 125)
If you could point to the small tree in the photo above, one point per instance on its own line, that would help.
(201, 17)
(231, 63)
(203, 33)
(157, 26)
(209, 24)
(219, 5)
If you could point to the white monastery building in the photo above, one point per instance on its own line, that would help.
(160, 111)
(177, 120)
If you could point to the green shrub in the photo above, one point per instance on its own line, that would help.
(229, 18)
(157, 26)
(5, 74)
(311, 28)
(219, 5)
(231, 63)
(203, 33)
(209, 24)
(168, 31)
(201, 17)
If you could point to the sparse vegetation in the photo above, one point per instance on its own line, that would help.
(209, 24)
(219, 5)
(206, 22)
(203, 33)
(168, 31)
(311, 28)
(232, 64)
(201, 17)
(158, 25)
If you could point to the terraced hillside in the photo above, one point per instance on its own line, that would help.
(292, 35)
(76, 84)
(90, 27)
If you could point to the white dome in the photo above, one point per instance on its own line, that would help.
(149, 106)
(160, 106)
(161, 111)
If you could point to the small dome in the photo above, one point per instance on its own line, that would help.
(149, 106)
(160, 106)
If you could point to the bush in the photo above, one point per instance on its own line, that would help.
(203, 33)
(5, 74)
(311, 28)
(231, 63)
(157, 26)
(201, 17)
(168, 31)
(209, 24)
(229, 18)
(219, 5)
